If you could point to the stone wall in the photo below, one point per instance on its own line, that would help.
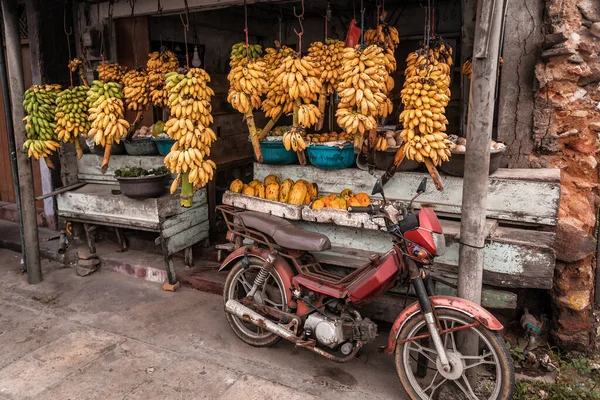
(566, 133)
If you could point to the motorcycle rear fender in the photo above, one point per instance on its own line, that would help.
(475, 311)
(281, 266)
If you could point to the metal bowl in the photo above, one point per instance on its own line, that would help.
(143, 187)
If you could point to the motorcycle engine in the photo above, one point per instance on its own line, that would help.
(331, 331)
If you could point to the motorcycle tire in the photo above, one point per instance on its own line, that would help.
(239, 327)
(416, 326)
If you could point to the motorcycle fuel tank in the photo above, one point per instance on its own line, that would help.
(376, 281)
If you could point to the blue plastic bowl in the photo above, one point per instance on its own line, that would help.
(164, 145)
(331, 157)
(274, 153)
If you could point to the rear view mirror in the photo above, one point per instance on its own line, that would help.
(377, 188)
(422, 186)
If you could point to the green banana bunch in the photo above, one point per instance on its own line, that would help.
(71, 114)
(238, 53)
(40, 106)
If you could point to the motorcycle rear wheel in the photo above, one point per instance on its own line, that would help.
(494, 378)
(238, 284)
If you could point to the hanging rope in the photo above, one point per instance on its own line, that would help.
(68, 35)
(246, 32)
(159, 11)
(135, 60)
(186, 27)
(362, 24)
(299, 34)
(327, 19)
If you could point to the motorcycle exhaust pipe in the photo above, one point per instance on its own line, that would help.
(236, 308)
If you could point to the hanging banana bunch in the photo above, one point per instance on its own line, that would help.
(327, 58)
(107, 116)
(239, 54)
(362, 91)
(40, 105)
(278, 101)
(111, 72)
(135, 89)
(72, 116)
(76, 65)
(189, 101)
(159, 64)
(467, 67)
(387, 37)
(425, 95)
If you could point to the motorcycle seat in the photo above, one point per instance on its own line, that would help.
(283, 232)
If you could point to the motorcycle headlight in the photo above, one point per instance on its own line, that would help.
(440, 243)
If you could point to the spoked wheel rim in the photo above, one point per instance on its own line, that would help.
(272, 295)
(439, 384)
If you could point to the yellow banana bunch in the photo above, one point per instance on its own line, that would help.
(327, 58)
(189, 101)
(293, 140)
(277, 101)
(135, 89)
(248, 81)
(111, 72)
(425, 95)
(107, 113)
(384, 35)
(40, 105)
(72, 114)
(308, 115)
(381, 144)
(159, 64)
(362, 91)
(299, 78)
(239, 54)
(75, 64)
(467, 67)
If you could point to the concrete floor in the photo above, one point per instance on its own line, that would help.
(109, 336)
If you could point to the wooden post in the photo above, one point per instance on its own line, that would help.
(469, 11)
(477, 159)
(31, 250)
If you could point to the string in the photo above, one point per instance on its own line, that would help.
(68, 34)
(327, 19)
(159, 11)
(186, 27)
(299, 34)
(362, 24)
(246, 32)
(135, 60)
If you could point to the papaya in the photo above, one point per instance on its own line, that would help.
(298, 193)
(353, 202)
(335, 203)
(313, 191)
(343, 204)
(318, 204)
(271, 179)
(363, 199)
(248, 191)
(272, 191)
(347, 194)
(325, 200)
(236, 186)
(254, 183)
(333, 196)
(307, 199)
(259, 190)
(284, 190)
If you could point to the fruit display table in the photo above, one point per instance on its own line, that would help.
(96, 204)
(522, 213)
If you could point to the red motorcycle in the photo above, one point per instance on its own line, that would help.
(445, 347)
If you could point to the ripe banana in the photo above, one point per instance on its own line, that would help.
(467, 67)
(277, 100)
(248, 81)
(111, 72)
(159, 64)
(327, 59)
(293, 140)
(135, 89)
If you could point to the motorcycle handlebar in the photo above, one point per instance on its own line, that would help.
(370, 209)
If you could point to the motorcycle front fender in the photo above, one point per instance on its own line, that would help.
(282, 267)
(475, 311)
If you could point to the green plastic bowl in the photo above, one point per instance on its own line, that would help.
(331, 157)
(164, 145)
(274, 153)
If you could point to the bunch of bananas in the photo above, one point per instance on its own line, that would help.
(425, 95)
(327, 57)
(189, 100)
(387, 37)
(299, 77)
(381, 143)
(362, 91)
(111, 72)
(278, 101)
(72, 114)
(248, 81)
(308, 115)
(135, 89)
(240, 54)
(467, 67)
(75, 64)
(40, 106)
(159, 64)
(293, 139)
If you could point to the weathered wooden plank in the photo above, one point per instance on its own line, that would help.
(529, 174)
(515, 264)
(288, 211)
(519, 200)
(187, 219)
(490, 298)
(187, 238)
(170, 205)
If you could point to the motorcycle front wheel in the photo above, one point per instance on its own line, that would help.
(488, 375)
